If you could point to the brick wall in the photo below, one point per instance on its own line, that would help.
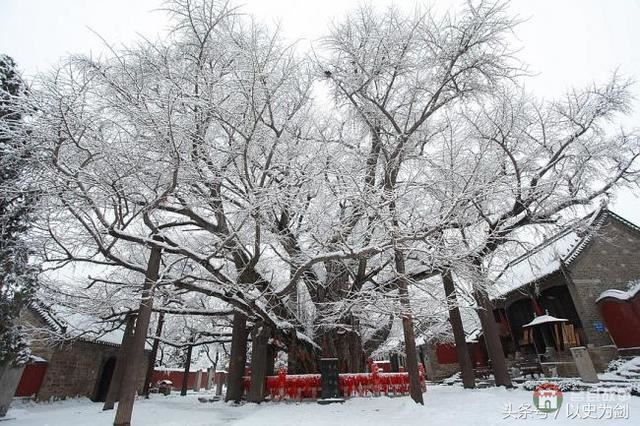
(609, 262)
(74, 368)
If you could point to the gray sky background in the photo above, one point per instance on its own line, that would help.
(566, 42)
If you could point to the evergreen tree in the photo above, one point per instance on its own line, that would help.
(17, 275)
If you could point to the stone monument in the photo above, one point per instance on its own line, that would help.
(330, 382)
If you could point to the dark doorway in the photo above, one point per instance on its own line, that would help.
(105, 379)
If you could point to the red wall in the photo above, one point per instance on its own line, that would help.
(479, 355)
(623, 320)
(176, 378)
(446, 353)
(31, 379)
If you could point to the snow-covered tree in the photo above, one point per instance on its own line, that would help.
(539, 161)
(399, 74)
(17, 195)
(208, 178)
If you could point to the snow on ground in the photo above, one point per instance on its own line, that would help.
(444, 405)
(628, 370)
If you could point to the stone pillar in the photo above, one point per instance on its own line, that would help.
(210, 373)
(220, 379)
(584, 365)
(198, 383)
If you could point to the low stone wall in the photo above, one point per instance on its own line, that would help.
(602, 355)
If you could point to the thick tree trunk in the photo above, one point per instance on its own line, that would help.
(271, 360)
(259, 362)
(492, 339)
(153, 356)
(238, 358)
(302, 357)
(130, 378)
(187, 368)
(121, 362)
(346, 345)
(409, 334)
(468, 376)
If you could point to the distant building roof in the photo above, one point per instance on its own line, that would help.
(72, 325)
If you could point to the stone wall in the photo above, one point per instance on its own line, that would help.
(609, 262)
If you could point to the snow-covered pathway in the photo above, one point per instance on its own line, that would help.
(444, 405)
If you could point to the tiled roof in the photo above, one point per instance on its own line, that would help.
(547, 258)
(71, 325)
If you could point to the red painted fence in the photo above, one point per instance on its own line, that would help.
(301, 386)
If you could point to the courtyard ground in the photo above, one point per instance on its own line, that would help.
(444, 405)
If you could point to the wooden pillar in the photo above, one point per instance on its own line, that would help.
(130, 378)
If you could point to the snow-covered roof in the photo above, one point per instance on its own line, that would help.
(547, 258)
(74, 325)
(541, 261)
(544, 319)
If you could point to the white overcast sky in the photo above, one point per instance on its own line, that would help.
(567, 42)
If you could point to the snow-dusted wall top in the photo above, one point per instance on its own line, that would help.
(633, 291)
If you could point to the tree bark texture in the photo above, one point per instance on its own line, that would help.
(259, 362)
(411, 351)
(187, 368)
(130, 378)
(238, 358)
(468, 376)
(492, 339)
(121, 362)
